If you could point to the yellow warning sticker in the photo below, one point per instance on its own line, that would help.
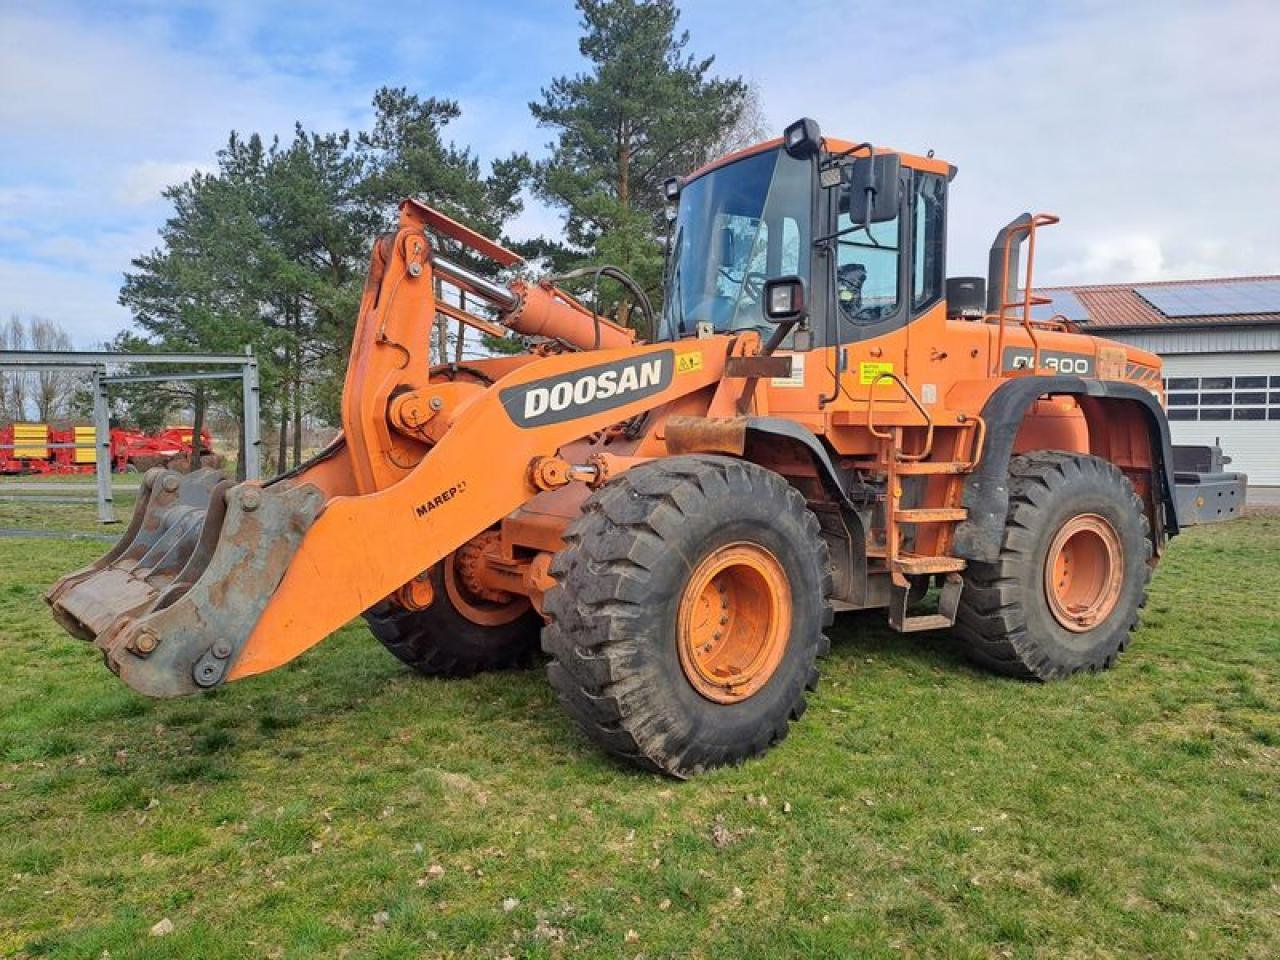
(868, 370)
(688, 362)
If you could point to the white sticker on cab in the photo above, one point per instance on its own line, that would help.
(797, 372)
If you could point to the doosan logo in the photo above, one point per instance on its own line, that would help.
(587, 391)
(601, 386)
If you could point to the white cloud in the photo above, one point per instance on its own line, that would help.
(143, 183)
(1134, 256)
(101, 252)
(1137, 120)
(99, 116)
(119, 89)
(100, 113)
(1145, 125)
(83, 303)
(536, 220)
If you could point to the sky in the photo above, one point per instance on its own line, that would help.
(1149, 126)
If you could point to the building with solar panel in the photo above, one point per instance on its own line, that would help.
(1220, 343)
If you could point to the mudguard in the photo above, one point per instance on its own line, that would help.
(986, 490)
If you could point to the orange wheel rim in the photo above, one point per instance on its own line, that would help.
(476, 608)
(1084, 572)
(734, 622)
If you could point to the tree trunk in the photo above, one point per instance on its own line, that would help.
(297, 422)
(197, 429)
(624, 169)
(442, 338)
(297, 389)
(462, 330)
(282, 447)
(624, 198)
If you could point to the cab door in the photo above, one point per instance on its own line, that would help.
(872, 300)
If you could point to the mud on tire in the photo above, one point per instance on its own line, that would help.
(612, 630)
(1006, 618)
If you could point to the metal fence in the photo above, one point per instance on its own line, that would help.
(101, 362)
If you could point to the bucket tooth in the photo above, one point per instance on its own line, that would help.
(165, 531)
(188, 639)
(172, 603)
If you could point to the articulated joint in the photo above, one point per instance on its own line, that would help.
(550, 473)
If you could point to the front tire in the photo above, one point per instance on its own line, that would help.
(1071, 579)
(688, 613)
(458, 635)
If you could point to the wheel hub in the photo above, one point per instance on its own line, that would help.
(470, 595)
(470, 560)
(734, 622)
(1084, 572)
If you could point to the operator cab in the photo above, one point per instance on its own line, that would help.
(863, 230)
(736, 227)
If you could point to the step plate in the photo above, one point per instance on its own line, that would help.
(942, 619)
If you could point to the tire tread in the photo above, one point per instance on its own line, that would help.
(602, 577)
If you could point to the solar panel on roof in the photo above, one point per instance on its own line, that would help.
(1065, 303)
(1214, 299)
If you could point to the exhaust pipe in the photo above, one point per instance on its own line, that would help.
(1002, 265)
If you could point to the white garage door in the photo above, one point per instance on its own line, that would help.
(1232, 399)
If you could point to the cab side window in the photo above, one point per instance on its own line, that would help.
(929, 241)
(867, 270)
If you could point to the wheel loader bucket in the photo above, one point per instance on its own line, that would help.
(196, 566)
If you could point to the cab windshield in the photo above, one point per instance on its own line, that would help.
(736, 227)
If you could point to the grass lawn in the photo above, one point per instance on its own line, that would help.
(342, 807)
(23, 506)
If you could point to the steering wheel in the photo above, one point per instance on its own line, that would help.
(753, 285)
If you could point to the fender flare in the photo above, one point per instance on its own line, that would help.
(835, 482)
(729, 435)
(986, 490)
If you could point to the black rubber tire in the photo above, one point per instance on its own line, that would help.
(1004, 617)
(611, 627)
(441, 642)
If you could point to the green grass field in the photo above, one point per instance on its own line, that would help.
(341, 807)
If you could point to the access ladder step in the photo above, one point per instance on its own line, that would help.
(948, 604)
(913, 468)
(913, 565)
(931, 515)
(924, 621)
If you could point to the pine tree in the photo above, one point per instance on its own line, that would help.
(643, 111)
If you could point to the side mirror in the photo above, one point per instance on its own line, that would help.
(784, 299)
(872, 192)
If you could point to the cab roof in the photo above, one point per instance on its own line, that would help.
(832, 145)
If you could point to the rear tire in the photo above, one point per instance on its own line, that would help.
(441, 641)
(1071, 579)
(688, 613)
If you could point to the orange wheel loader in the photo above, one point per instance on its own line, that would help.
(820, 421)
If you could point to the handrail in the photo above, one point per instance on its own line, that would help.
(978, 442)
(888, 435)
(1028, 298)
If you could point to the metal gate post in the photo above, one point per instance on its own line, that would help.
(252, 427)
(102, 449)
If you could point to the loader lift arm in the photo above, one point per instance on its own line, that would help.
(213, 582)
